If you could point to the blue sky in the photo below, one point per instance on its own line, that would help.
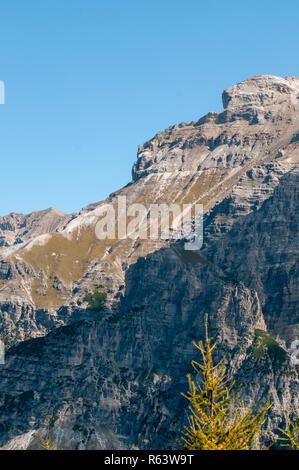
(88, 81)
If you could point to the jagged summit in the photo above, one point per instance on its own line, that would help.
(231, 138)
(18, 228)
(262, 91)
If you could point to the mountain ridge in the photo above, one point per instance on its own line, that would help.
(242, 165)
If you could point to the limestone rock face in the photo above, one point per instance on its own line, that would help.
(257, 114)
(19, 228)
(261, 92)
(112, 379)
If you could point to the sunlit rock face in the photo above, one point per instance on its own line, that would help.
(262, 92)
(113, 379)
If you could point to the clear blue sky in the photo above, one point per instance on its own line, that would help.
(87, 81)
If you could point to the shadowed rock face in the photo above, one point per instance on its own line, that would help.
(113, 379)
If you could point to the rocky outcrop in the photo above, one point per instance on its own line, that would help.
(19, 228)
(113, 379)
(259, 117)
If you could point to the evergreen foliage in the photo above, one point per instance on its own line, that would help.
(217, 420)
(290, 434)
(47, 443)
(95, 301)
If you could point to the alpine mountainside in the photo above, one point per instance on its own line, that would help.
(113, 379)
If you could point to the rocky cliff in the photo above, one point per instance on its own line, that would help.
(112, 379)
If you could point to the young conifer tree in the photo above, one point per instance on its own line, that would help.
(47, 442)
(290, 434)
(217, 420)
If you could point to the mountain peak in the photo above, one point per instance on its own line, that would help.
(215, 140)
(261, 91)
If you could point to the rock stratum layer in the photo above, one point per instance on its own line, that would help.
(112, 379)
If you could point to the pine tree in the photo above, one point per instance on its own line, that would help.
(217, 419)
(290, 433)
(47, 442)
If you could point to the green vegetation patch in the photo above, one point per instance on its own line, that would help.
(264, 343)
(95, 301)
